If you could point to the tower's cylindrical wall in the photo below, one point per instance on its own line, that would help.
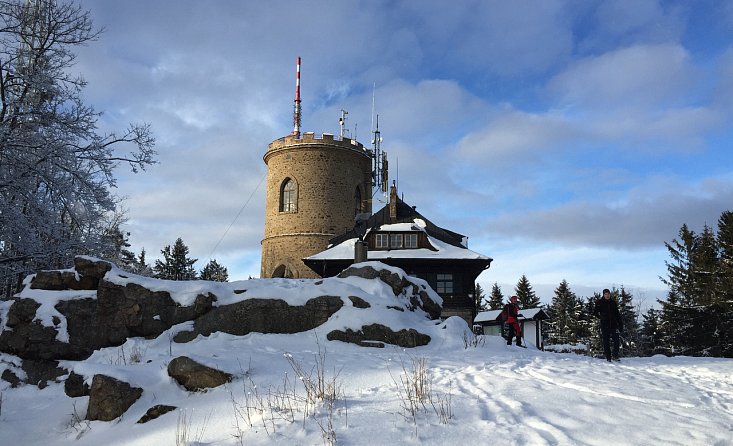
(326, 173)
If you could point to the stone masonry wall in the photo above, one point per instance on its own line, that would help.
(327, 172)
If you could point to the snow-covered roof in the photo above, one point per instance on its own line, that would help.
(345, 251)
(525, 314)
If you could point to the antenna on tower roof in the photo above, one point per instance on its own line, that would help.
(296, 107)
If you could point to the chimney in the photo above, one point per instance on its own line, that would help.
(393, 202)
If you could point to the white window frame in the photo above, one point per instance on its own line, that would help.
(410, 241)
(396, 241)
(381, 241)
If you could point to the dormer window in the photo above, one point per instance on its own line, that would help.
(395, 241)
(382, 241)
(410, 241)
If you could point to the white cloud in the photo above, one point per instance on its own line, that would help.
(637, 76)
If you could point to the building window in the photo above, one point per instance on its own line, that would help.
(382, 241)
(410, 241)
(289, 196)
(395, 241)
(444, 284)
(357, 202)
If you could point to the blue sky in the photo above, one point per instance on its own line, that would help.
(567, 139)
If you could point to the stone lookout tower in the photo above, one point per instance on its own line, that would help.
(315, 188)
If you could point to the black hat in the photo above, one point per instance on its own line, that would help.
(606, 290)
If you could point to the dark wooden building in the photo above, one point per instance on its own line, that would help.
(398, 235)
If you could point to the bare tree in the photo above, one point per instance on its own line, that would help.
(56, 169)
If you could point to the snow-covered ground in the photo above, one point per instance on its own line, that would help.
(485, 394)
(458, 390)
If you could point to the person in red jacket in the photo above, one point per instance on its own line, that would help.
(509, 315)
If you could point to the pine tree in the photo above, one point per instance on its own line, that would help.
(176, 264)
(725, 282)
(725, 244)
(496, 299)
(525, 294)
(214, 272)
(629, 319)
(566, 316)
(651, 333)
(141, 266)
(680, 276)
(116, 244)
(706, 268)
(594, 341)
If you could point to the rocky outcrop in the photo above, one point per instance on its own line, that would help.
(263, 316)
(194, 376)
(101, 308)
(419, 297)
(109, 398)
(376, 335)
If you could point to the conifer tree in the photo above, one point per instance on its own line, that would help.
(594, 342)
(175, 265)
(496, 299)
(725, 244)
(214, 272)
(680, 277)
(566, 316)
(706, 271)
(629, 319)
(725, 282)
(525, 294)
(141, 266)
(651, 333)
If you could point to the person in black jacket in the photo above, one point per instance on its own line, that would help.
(611, 324)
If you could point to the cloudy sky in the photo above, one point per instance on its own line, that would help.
(568, 139)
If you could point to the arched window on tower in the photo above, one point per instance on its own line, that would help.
(289, 196)
(357, 201)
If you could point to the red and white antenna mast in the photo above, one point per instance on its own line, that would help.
(296, 108)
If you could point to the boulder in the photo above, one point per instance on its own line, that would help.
(88, 272)
(155, 412)
(194, 376)
(358, 302)
(10, 377)
(377, 333)
(74, 386)
(109, 398)
(263, 316)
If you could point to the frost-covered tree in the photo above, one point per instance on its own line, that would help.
(496, 298)
(56, 168)
(176, 265)
(525, 294)
(214, 272)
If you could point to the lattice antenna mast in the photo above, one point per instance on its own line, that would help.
(342, 123)
(296, 107)
(379, 158)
